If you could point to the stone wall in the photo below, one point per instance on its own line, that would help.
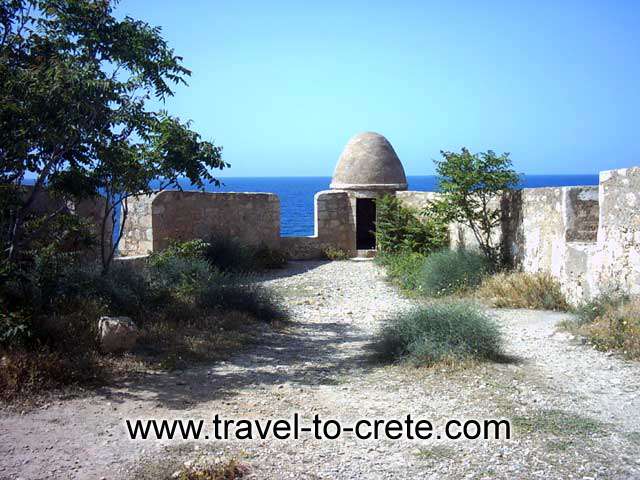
(417, 200)
(137, 238)
(334, 227)
(156, 220)
(619, 230)
(91, 210)
(588, 237)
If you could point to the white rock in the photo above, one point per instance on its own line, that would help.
(117, 334)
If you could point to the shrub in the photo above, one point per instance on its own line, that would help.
(336, 254)
(184, 276)
(231, 470)
(50, 313)
(468, 183)
(228, 254)
(188, 249)
(598, 306)
(25, 372)
(450, 271)
(266, 258)
(403, 268)
(243, 296)
(522, 290)
(610, 322)
(403, 229)
(123, 290)
(452, 331)
(15, 329)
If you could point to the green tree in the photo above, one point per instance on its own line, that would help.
(75, 91)
(471, 185)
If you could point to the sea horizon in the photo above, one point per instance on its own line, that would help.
(296, 192)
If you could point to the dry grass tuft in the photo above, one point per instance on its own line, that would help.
(617, 328)
(231, 470)
(538, 291)
(175, 344)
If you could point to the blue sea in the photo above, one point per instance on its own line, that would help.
(296, 193)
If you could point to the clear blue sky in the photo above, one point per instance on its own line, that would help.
(283, 85)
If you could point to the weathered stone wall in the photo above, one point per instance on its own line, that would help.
(540, 241)
(582, 214)
(618, 263)
(137, 238)
(416, 200)
(156, 220)
(587, 237)
(334, 227)
(91, 210)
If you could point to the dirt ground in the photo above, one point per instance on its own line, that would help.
(575, 412)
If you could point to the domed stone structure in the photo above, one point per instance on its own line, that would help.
(368, 169)
(369, 162)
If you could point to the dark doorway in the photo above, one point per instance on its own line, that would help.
(365, 223)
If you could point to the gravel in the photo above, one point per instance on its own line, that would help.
(574, 410)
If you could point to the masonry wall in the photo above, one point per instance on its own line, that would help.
(334, 228)
(156, 220)
(618, 264)
(91, 210)
(587, 237)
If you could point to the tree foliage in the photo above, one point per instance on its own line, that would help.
(75, 86)
(470, 185)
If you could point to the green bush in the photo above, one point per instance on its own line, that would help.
(610, 321)
(598, 306)
(403, 268)
(228, 254)
(15, 329)
(266, 258)
(450, 271)
(442, 332)
(123, 290)
(403, 229)
(183, 276)
(49, 314)
(240, 294)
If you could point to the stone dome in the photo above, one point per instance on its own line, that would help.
(369, 162)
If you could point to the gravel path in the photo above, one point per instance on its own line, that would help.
(575, 411)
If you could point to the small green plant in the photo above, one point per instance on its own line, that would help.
(450, 271)
(556, 422)
(610, 322)
(267, 258)
(442, 332)
(435, 453)
(242, 295)
(403, 268)
(228, 254)
(185, 276)
(189, 249)
(403, 229)
(523, 290)
(336, 254)
(598, 306)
